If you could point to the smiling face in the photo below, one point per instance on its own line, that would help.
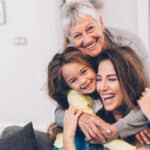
(87, 35)
(79, 77)
(108, 86)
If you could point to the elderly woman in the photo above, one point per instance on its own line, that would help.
(84, 29)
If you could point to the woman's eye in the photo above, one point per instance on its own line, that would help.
(112, 79)
(98, 79)
(90, 28)
(77, 36)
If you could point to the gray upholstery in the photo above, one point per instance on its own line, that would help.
(43, 142)
(22, 140)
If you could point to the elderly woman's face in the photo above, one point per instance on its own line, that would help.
(87, 35)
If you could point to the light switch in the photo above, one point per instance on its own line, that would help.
(21, 40)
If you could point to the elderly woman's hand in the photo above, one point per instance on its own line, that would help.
(95, 129)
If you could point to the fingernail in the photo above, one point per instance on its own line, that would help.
(108, 131)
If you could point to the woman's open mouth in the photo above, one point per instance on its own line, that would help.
(92, 45)
(108, 98)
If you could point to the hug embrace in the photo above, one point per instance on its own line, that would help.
(104, 77)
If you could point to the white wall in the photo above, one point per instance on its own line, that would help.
(132, 15)
(23, 97)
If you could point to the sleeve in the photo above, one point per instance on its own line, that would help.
(132, 123)
(138, 46)
(75, 100)
(80, 101)
(127, 39)
(116, 144)
(59, 116)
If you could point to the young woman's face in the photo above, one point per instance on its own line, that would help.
(87, 35)
(79, 77)
(108, 86)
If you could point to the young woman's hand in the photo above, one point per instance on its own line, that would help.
(143, 137)
(144, 102)
(70, 123)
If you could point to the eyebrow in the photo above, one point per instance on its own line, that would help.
(109, 75)
(89, 24)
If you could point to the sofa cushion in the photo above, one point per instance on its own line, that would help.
(21, 140)
(42, 140)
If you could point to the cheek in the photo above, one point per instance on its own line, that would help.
(120, 95)
(77, 43)
(102, 38)
(98, 88)
(99, 32)
(94, 77)
(72, 86)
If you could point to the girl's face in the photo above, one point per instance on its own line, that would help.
(108, 86)
(87, 35)
(79, 77)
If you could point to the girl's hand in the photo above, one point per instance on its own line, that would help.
(70, 123)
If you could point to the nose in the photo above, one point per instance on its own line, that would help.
(102, 86)
(86, 38)
(82, 81)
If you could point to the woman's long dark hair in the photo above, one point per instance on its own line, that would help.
(129, 70)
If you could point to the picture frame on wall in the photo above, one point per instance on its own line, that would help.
(2, 12)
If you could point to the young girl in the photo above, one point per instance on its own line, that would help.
(70, 70)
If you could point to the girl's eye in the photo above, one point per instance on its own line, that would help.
(73, 81)
(84, 71)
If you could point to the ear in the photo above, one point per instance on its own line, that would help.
(101, 22)
(66, 41)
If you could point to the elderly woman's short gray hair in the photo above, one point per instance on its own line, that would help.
(73, 10)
